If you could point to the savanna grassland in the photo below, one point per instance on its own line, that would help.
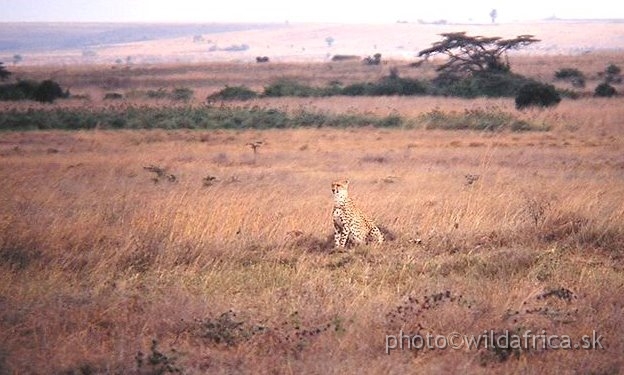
(218, 259)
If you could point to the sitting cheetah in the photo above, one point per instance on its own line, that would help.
(350, 224)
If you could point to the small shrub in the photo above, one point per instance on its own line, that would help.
(374, 60)
(537, 94)
(161, 93)
(345, 57)
(182, 94)
(613, 69)
(236, 48)
(613, 74)
(113, 96)
(48, 91)
(157, 362)
(567, 73)
(605, 90)
(572, 75)
(288, 87)
(226, 330)
(233, 93)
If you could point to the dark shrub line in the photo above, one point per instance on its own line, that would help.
(483, 84)
(190, 117)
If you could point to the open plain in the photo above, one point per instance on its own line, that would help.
(218, 257)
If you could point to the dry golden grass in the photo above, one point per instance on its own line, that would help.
(98, 256)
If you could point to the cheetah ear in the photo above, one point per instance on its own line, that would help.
(346, 183)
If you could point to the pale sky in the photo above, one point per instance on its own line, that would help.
(363, 11)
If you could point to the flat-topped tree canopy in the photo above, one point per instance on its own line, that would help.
(470, 54)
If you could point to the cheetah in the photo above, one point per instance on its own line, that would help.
(350, 224)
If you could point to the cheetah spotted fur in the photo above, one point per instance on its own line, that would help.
(350, 224)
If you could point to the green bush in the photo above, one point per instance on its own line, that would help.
(288, 87)
(613, 70)
(47, 91)
(568, 73)
(113, 96)
(12, 92)
(161, 93)
(394, 85)
(537, 94)
(572, 75)
(612, 74)
(488, 84)
(387, 86)
(605, 90)
(233, 93)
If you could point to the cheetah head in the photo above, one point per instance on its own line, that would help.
(340, 190)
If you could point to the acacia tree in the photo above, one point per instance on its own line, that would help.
(493, 15)
(468, 55)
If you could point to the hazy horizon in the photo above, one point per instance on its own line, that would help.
(274, 11)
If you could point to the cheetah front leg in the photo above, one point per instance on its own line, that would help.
(344, 236)
(337, 236)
